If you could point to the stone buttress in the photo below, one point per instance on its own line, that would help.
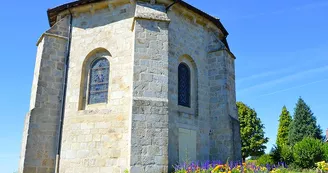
(149, 133)
(224, 134)
(40, 137)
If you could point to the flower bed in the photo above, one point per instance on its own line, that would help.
(230, 167)
(322, 166)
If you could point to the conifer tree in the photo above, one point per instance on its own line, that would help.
(285, 119)
(251, 132)
(304, 124)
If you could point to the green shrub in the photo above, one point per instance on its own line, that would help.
(251, 161)
(282, 153)
(254, 157)
(308, 152)
(325, 150)
(287, 154)
(276, 154)
(264, 160)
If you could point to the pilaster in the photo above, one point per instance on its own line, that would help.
(149, 131)
(224, 133)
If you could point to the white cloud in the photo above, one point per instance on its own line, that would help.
(288, 78)
(299, 86)
(262, 75)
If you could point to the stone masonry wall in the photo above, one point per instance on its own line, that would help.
(96, 137)
(221, 135)
(41, 125)
(233, 112)
(225, 139)
(149, 133)
(215, 101)
(188, 41)
(138, 128)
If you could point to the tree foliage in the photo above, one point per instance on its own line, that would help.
(282, 154)
(287, 154)
(275, 154)
(307, 152)
(264, 160)
(304, 124)
(251, 132)
(325, 150)
(285, 119)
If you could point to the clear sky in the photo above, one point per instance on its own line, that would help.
(281, 48)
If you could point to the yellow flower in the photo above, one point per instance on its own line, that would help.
(217, 168)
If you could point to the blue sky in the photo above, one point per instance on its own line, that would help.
(281, 49)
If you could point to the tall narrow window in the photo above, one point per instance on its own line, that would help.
(98, 85)
(184, 85)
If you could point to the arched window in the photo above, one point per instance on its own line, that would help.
(98, 84)
(184, 85)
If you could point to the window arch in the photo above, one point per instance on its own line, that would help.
(184, 82)
(98, 82)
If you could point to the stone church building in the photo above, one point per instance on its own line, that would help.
(130, 85)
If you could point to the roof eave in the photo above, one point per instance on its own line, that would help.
(216, 21)
(55, 11)
(52, 13)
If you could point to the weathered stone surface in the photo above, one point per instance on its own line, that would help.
(151, 11)
(97, 136)
(40, 136)
(138, 128)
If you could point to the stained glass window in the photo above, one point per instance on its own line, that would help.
(98, 85)
(184, 85)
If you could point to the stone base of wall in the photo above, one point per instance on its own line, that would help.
(39, 143)
(149, 138)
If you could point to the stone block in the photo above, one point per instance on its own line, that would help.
(137, 169)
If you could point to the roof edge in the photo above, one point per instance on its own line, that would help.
(53, 12)
(216, 21)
